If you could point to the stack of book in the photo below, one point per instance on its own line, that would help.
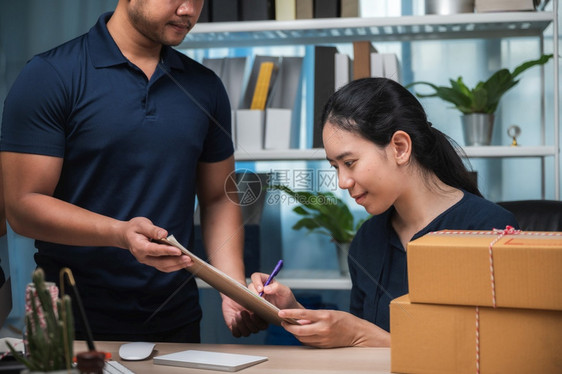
(265, 102)
(480, 302)
(269, 115)
(333, 70)
(231, 71)
(280, 10)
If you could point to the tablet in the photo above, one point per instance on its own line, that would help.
(209, 360)
(230, 287)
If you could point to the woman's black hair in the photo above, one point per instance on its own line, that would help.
(376, 108)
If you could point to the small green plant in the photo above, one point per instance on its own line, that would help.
(323, 213)
(485, 97)
(49, 333)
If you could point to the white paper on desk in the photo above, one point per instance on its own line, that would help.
(209, 360)
(228, 286)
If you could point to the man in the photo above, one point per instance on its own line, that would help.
(106, 139)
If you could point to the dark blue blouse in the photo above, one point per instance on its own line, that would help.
(377, 259)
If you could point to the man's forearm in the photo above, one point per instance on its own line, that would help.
(47, 218)
(223, 235)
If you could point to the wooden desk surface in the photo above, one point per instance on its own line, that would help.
(282, 359)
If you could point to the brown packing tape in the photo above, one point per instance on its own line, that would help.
(429, 338)
(451, 267)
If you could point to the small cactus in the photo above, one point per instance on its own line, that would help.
(49, 332)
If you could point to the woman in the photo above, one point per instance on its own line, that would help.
(410, 178)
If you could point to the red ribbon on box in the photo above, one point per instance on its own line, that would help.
(501, 233)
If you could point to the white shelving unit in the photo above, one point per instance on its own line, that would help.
(406, 28)
(339, 30)
(471, 152)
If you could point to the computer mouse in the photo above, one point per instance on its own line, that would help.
(136, 350)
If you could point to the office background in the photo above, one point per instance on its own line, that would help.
(28, 27)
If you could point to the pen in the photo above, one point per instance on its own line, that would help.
(273, 274)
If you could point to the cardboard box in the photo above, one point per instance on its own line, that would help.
(449, 267)
(429, 338)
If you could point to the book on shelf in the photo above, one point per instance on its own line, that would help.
(231, 72)
(391, 66)
(225, 10)
(249, 123)
(287, 83)
(326, 8)
(215, 64)
(282, 114)
(263, 85)
(304, 9)
(253, 78)
(385, 65)
(377, 65)
(205, 15)
(233, 79)
(324, 85)
(362, 50)
(257, 10)
(349, 8)
(343, 70)
(505, 5)
(285, 10)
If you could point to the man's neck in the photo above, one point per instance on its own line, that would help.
(138, 49)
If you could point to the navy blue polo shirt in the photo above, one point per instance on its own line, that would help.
(131, 148)
(377, 259)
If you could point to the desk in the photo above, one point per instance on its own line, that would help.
(282, 359)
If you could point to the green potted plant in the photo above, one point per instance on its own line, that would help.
(49, 331)
(479, 103)
(325, 214)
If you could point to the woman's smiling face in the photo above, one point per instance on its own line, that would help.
(367, 171)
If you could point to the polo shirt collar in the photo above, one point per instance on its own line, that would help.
(104, 52)
(171, 58)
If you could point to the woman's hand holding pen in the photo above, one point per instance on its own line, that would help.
(319, 328)
(276, 293)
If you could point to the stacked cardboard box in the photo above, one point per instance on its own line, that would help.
(480, 302)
